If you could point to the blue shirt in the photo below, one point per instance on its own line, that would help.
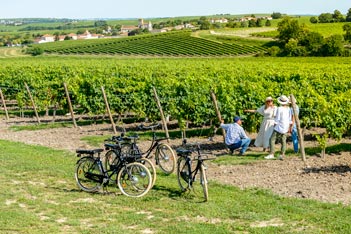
(234, 133)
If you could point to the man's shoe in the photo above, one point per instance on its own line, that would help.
(269, 156)
(231, 151)
(281, 157)
(241, 154)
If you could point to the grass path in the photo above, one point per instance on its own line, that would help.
(11, 52)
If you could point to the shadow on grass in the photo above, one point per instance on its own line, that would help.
(334, 149)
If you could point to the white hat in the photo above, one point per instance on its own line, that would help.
(269, 99)
(283, 100)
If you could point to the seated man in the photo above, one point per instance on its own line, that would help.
(235, 136)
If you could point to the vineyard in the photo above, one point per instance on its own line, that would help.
(162, 44)
(320, 85)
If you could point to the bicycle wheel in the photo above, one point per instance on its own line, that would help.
(183, 173)
(165, 158)
(134, 180)
(199, 185)
(146, 162)
(88, 175)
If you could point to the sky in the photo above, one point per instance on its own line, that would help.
(93, 9)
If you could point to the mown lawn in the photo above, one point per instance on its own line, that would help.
(39, 195)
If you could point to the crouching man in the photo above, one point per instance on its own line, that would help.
(235, 136)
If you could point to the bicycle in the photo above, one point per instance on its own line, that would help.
(132, 178)
(123, 145)
(189, 176)
(164, 154)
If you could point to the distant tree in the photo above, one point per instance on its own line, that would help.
(118, 27)
(259, 23)
(338, 17)
(252, 23)
(313, 20)
(204, 25)
(289, 29)
(347, 29)
(244, 24)
(325, 18)
(100, 23)
(292, 48)
(276, 15)
(268, 23)
(333, 46)
(156, 26)
(203, 18)
(348, 16)
(81, 31)
(313, 42)
(217, 25)
(273, 51)
(35, 51)
(57, 36)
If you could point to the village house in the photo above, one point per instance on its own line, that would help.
(221, 21)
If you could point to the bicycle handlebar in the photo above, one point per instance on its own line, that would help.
(122, 138)
(152, 126)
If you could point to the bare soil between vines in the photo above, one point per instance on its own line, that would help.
(326, 180)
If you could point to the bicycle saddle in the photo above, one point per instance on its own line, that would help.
(91, 152)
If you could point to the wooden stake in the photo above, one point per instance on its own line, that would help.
(33, 103)
(214, 99)
(70, 105)
(161, 112)
(108, 110)
(299, 131)
(4, 104)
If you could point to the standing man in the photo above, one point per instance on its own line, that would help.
(235, 137)
(282, 125)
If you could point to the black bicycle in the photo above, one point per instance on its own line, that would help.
(122, 146)
(164, 154)
(191, 171)
(132, 178)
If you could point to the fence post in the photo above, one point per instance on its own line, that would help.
(33, 103)
(299, 132)
(4, 104)
(161, 112)
(108, 110)
(214, 99)
(70, 105)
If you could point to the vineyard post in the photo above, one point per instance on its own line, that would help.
(214, 99)
(33, 103)
(161, 112)
(70, 105)
(108, 110)
(4, 104)
(299, 132)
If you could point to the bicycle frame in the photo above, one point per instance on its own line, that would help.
(155, 142)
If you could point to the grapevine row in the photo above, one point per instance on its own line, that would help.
(174, 43)
(321, 86)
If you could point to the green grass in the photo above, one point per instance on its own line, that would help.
(39, 195)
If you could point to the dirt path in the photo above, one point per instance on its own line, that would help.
(325, 180)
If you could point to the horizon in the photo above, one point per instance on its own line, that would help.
(133, 9)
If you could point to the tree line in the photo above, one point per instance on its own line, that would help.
(331, 17)
(296, 40)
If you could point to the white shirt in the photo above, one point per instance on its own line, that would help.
(282, 119)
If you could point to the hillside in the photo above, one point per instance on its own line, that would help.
(180, 43)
